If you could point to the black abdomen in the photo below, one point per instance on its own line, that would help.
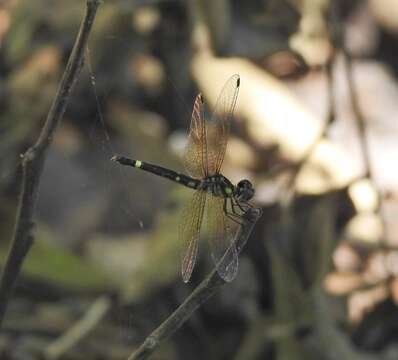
(218, 185)
(161, 171)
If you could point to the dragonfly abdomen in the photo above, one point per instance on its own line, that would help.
(159, 170)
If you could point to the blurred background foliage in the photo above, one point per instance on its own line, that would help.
(317, 279)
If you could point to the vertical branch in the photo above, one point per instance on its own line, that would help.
(288, 195)
(361, 125)
(359, 118)
(33, 161)
(358, 115)
(338, 31)
(331, 112)
(330, 26)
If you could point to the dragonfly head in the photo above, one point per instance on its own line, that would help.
(244, 190)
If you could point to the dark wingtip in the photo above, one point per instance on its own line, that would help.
(201, 98)
(186, 275)
(238, 81)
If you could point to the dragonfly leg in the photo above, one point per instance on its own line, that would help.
(243, 206)
(234, 218)
(237, 204)
(247, 205)
(232, 215)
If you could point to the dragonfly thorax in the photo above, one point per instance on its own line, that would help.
(218, 185)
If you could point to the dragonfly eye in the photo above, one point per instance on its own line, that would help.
(244, 190)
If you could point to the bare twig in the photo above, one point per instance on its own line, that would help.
(81, 329)
(361, 125)
(200, 295)
(333, 28)
(331, 113)
(359, 118)
(33, 161)
(336, 20)
(290, 192)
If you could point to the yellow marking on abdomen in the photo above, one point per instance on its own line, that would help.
(228, 191)
(138, 163)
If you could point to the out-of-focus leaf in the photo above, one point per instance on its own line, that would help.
(59, 266)
(143, 263)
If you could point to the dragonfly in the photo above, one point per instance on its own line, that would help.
(216, 204)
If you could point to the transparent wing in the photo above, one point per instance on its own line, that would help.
(195, 157)
(217, 127)
(191, 221)
(221, 232)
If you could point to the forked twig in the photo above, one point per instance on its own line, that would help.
(33, 161)
(200, 295)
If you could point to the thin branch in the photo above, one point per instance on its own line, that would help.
(361, 125)
(33, 161)
(333, 27)
(358, 115)
(201, 294)
(330, 117)
(336, 21)
(80, 330)
(290, 192)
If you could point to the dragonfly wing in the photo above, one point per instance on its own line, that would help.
(191, 221)
(217, 126)
(221, 232)
(195, 156)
